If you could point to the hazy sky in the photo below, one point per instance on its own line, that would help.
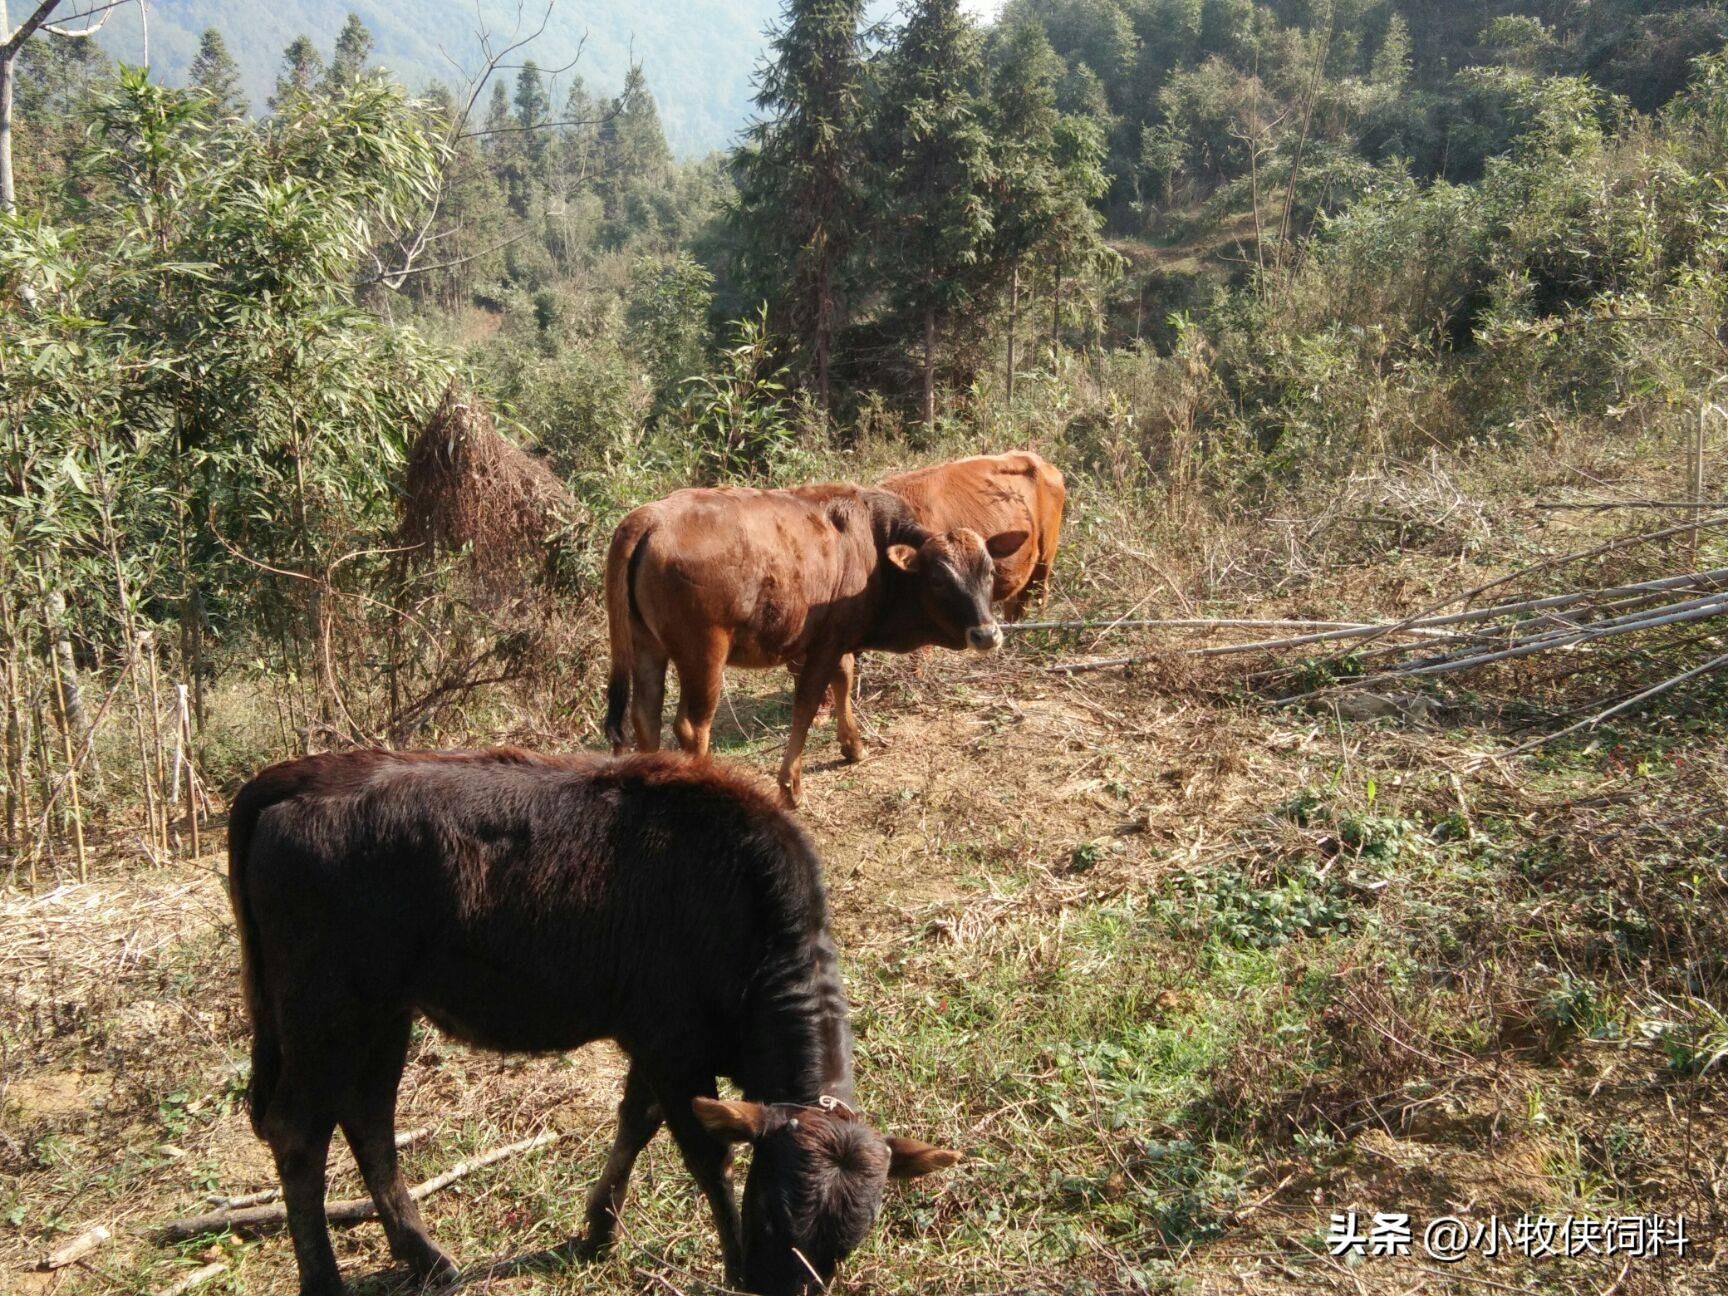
(984, 8)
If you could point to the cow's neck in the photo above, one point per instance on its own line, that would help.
(900, 623)
(800, 1037)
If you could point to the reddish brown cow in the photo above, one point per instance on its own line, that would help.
(709, 578)
(1000, 497)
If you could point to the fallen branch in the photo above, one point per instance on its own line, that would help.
(1187, 623)
(256, 1218)
(406, 1138)
(1593, 505)
(1426, 615)
(76, 1249)
(1590, 722)
(1428, 627)
(1670, 614)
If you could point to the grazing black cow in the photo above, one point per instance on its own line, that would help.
(535, 903)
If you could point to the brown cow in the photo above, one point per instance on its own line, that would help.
(534, 903)
(998, 496)
(708, 578)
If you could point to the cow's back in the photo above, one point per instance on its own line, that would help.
(994, 495)
(766, 569)
(523, 903)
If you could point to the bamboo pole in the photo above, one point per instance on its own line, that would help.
(71, 773)
(17, 741)
(147, 642)
(1548, 643)
(183, 762)
(1667, 614)
(1590, 722)
(150, 806)
(44, 762)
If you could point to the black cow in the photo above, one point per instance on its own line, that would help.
(535, 903)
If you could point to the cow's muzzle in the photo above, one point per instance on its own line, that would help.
(985, 638)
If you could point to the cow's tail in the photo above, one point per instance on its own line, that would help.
(621, 560)
(256, 797)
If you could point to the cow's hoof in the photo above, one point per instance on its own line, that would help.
(592, 1245)
(852, 753)
(435, 1267)
(788, 797)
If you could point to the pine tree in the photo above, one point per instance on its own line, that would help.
(578, 140)
(1028, 190)
(1391, 70)
(797, 203)
(214, 71)
(302, 68)
(634, 155)
(533, 111)
(936, 171)
(348, 60)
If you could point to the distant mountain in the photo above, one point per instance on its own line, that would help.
(698, 55)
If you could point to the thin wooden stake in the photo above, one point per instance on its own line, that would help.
(147, 643)
(150, 807)
(183, 762)
(1698, 470)
(71, 772)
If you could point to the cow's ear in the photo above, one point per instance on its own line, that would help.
(910, 1159)
(905, 557)
(736, 1122)
(1005, 543)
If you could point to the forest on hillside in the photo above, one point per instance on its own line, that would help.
(1277, 235)
(1358, 788)
(704, 51)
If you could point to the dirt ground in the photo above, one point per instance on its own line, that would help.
(987, 786)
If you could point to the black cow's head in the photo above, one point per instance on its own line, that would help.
(815, 1186)
(955, 575)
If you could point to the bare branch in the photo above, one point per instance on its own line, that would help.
(545, 125)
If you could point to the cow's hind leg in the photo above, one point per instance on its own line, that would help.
(297, 1125)
(845, 721)
(638, 1120)
(369, 1123)
(700, 681)
(648, 695)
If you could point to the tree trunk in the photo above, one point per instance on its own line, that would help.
(8, 196)
(1013, 319)
(60, 644)
(930, 369)
(824, 330)
(1056, 316)
(192, 650)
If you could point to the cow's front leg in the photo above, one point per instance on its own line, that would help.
(638, 1119)
(806, 701)
(709, 1160)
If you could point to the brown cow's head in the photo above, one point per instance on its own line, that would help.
(955, 576)
(815, 1186)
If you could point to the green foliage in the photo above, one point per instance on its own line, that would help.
(740, 414)
(214, 71)
(192, 374)
(798, 210)
(668, 318)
